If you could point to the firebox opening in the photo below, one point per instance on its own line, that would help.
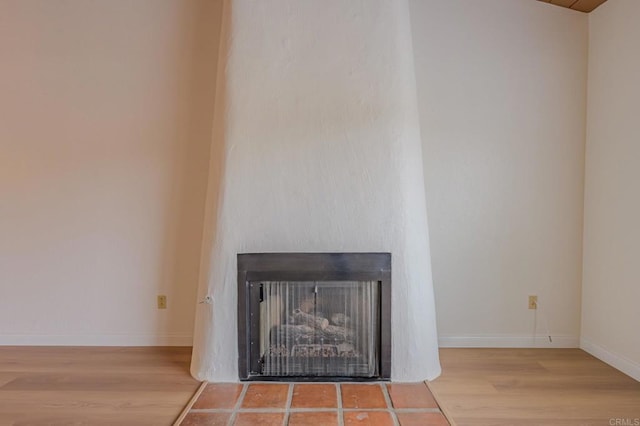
(314, 316)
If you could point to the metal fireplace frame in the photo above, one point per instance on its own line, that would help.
(254, 267)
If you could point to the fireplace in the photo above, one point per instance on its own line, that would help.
(314, 316)
(317, 149)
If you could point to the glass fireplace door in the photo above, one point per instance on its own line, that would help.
(318, 328)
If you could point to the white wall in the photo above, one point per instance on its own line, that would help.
(105, 115)
(611, 288)
(501, 88)
(105, 123)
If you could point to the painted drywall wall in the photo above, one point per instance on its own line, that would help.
(322, 154)
(105, 120)
(501, 90)
(611, 290)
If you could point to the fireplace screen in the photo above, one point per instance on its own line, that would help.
(321, 328)
(314, 316)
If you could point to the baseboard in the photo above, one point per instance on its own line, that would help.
(169, 339)
(508, 341)
(627, 366)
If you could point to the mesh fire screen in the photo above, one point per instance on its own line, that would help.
(314, 316)
(323, 328)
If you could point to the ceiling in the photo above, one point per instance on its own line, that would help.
(581, 5)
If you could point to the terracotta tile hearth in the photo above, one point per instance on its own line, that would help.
(363, 396)
(219, 395)
(265, 395)
(315, 404)
(314, 396)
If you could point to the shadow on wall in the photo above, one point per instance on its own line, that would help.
(186, 204)
(215, 160)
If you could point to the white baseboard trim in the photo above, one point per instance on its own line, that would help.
(169, 339)
(508, 341)
(624, 364)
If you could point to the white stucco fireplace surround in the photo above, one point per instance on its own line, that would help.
(316, 149)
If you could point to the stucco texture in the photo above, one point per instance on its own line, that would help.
(320, 152)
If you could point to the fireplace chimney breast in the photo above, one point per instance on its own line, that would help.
(316, 149)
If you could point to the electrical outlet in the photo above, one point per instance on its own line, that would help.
(533, 302)
(162, 301)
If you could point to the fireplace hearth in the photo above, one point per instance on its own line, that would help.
(314, 316)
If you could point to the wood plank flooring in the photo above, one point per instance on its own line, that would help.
(150, 386)
(94, 386)
(534, 387)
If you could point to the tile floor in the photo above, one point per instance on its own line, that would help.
(315, 404)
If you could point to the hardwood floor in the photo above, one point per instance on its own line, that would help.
(534, 387)
(150, 386)
(94, 386)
